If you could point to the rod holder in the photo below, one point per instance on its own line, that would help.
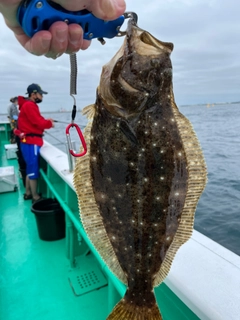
(71, 159)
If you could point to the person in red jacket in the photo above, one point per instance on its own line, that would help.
(31, 125)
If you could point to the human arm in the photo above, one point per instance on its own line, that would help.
(14, 112)
(61, 37)
(34, 121)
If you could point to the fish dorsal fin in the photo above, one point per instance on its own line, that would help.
(196, 184)
(89, 111)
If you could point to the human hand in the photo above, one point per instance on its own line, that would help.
(53, 124)
(60, 38)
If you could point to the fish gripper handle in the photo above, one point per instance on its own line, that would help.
(37, 15)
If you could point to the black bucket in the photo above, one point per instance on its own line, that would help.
(50, 219)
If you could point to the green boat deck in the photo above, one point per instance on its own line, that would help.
(62, 279)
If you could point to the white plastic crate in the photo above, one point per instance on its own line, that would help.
(8, 181)
(11, 150)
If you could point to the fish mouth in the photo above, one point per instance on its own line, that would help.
(134, 72)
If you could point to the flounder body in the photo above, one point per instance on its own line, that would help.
(139, 184)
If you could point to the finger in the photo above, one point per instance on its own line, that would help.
(75, 38)
(39, 44)
(42, 42)
(86, 44)
(59, 43)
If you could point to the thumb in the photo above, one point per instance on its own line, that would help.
(102, 9)
(107, 9)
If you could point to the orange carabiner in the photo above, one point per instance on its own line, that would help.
(81, 138)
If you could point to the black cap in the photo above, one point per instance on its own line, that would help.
(13, 99)
(34, 88)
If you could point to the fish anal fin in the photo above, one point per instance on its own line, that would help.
(125, 310)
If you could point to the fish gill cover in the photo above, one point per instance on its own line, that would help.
(140, 182)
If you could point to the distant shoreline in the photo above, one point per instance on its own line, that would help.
(183, 105)
(209, 103)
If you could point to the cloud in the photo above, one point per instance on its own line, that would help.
(205, 58)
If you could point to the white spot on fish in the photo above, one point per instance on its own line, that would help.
(161, 178)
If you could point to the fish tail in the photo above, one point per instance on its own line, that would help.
(125, 310)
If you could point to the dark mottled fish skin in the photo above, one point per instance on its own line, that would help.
(140, 189)
(139, 168)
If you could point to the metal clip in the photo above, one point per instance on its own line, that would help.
(127, 15)
(70, 142)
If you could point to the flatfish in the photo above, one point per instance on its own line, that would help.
(139, 184)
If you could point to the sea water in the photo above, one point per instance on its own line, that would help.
(218, 130)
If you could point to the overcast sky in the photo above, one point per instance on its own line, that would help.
(206, 56)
